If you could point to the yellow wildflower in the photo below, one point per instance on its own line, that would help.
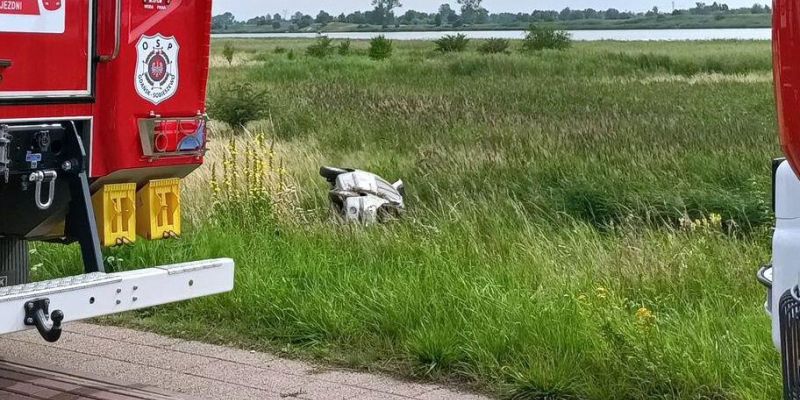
(645, 318)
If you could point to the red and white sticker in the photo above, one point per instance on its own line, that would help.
(32, 16)
(157, 69)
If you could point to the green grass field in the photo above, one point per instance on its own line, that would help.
(582, 225)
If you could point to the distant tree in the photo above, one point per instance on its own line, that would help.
(472, 12)
(276, 24)
(385, 10)
(305, 22)
(447, 14)
(259, 21)
(277, 17)
(302, 20)
(356, 18)
(323, 18)
(223, 21)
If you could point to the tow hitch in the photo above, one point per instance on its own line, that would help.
(49, 325)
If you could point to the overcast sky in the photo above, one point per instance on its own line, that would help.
(245, 9)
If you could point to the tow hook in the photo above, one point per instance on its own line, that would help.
(40, 178)
(48, 324)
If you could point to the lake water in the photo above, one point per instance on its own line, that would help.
(594, 35)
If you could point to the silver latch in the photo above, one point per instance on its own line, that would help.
(5, 145)
(40, 178)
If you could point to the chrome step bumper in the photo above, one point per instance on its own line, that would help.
(98, 294)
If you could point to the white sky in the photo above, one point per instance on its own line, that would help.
(245, 9)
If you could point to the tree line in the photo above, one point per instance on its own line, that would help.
(468, 12)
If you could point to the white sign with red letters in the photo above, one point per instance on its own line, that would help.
(32, 16)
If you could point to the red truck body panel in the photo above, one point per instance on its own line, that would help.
(50, 53)
(161, 70)
(786, 53)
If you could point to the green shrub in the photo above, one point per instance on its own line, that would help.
(280, 50)
(344, 48)
(228, 51)
(541, 38)
(290, 55)
(237, 103)
(452, 43)
(322, 48)
(494, 46)
(380, 48)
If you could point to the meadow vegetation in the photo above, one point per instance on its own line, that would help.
(583, 224)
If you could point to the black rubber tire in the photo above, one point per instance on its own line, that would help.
(14, 262)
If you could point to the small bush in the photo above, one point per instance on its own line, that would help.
(494, 46)
(380, 48)
(290, 55)
(280, 50)
(452, 43)
(541, 38)
(237, 103)
(228, 51)
(322, 48)
(344, 48)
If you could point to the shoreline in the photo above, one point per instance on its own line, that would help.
(504, 29)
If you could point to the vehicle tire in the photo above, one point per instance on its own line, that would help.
(14, 262)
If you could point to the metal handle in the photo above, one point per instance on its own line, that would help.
(117, 36)
(5, 63)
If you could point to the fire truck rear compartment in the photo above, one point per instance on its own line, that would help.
(52, 151)
(44, 193)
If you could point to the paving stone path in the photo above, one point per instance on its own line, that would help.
(154, 365)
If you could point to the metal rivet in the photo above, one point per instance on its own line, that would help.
(135, 298)
(135, 288)
(119, 291)
(191, 282)
(29, 321)
(119, 302)
(30, 306)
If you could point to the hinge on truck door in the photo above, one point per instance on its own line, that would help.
(5, 143)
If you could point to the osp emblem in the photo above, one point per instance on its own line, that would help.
(157, 68)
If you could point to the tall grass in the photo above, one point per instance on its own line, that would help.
(583, 224)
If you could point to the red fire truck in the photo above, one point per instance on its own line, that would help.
(102, 113)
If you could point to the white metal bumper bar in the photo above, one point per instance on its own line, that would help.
(98, 294)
